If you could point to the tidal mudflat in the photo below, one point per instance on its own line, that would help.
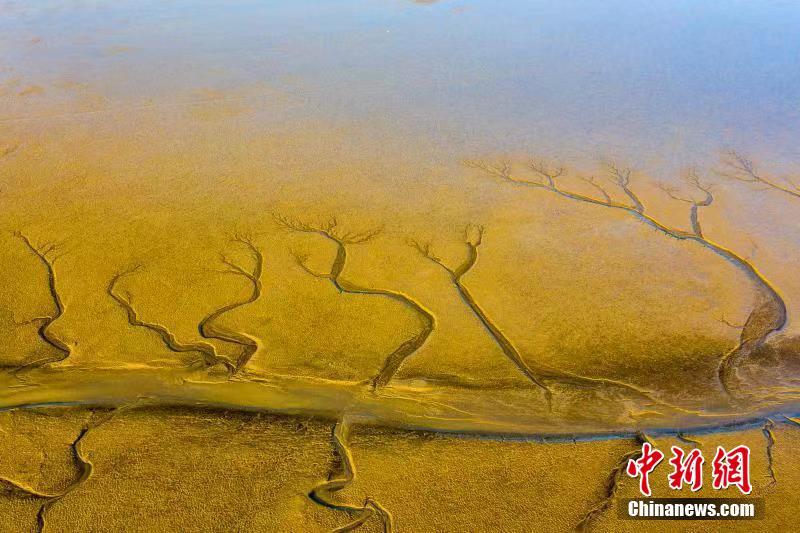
(412, 266)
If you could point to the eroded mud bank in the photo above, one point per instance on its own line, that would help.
(208, 469)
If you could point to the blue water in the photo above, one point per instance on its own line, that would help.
(655, 82)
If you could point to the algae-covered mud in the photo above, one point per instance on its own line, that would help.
(394, 266)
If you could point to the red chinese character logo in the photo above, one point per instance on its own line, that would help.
(686, 468)
(732, 468)
(644, 465)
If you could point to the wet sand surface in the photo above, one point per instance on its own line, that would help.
(207, 470)
(410, 248)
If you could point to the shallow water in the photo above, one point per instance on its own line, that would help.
(142, 134)
(650, 82)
